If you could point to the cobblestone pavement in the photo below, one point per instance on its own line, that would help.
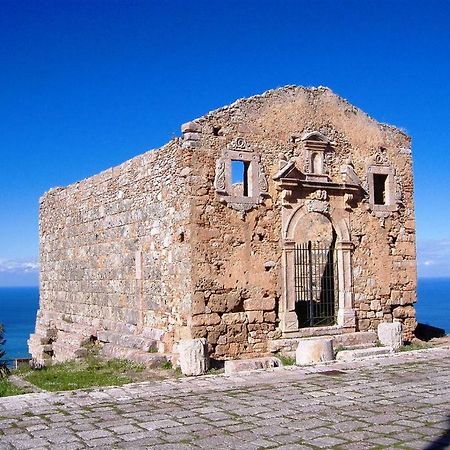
(400, 401)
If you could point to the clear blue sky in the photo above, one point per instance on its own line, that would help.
(86, 85)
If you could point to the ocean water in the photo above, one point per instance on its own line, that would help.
(18, 308)
(433, 302)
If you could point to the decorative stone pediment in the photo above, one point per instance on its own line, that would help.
(291, 178)
(315, 136)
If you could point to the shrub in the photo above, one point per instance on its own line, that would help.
(4, 371)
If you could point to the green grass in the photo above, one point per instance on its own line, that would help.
(413, 346)
(7, 388)
(166, 365)
(82, 374)
(286, 360)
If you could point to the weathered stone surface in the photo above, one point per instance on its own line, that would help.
(351, 355)
(314, 350)
(242, 365)
(193, 357)
(390, 334)
(400, 401)
(165, 246)
(152, 360)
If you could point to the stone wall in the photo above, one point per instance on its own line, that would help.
(114, 255)
(237, 257)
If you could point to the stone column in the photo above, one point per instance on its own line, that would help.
(346, 312)
(288, 316)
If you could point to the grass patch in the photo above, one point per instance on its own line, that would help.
(92, 372)
(7, 388)
(285, 360)
(413, 346)
(167, 365)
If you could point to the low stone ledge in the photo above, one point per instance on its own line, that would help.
(352, 355)
(243, 365)
(151, 360)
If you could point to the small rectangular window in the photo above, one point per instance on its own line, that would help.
(239, 177)
(380, 189)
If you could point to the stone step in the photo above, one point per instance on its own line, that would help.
(243, 365)
(360, 339)
(355, 340)
(152, 360)
(127, 341)
(351, 355)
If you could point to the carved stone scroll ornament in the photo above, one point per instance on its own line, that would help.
(239, 144)
(380, 159)
(348, 201)
(328, 161)
(262, 181)
(219, 180)
(319, 194)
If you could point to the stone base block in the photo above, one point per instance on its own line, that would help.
(242, 365)
(390, 334)
(314, 350)
(193, 357)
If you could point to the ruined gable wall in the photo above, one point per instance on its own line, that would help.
(236, 261)
(114, 252)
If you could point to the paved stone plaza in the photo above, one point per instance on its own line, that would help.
(400, 401)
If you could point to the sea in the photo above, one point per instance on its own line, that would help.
(18, 308)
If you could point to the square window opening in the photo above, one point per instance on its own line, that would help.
(380, 189)
(239, 177)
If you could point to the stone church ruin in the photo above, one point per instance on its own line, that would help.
(282, 216)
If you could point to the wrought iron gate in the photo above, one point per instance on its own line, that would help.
(315, 295)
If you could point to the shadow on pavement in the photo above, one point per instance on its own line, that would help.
(443, 441)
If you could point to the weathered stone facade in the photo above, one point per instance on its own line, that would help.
(169, 246)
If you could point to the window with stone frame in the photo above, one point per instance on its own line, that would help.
(381, 184)
(240, 179)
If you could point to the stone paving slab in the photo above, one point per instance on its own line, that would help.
(397, 401)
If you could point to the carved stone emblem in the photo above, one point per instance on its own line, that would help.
(380, 159)
(317, 206)
(239, 144)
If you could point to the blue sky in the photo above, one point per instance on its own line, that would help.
(86, 85)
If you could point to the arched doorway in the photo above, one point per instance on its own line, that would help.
(315, 271)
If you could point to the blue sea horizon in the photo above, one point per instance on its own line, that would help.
(18, 306)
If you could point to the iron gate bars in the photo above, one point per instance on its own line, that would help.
(315, 297)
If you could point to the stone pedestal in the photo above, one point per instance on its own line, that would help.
(313, 351)
(390, 334)
(193, 357)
